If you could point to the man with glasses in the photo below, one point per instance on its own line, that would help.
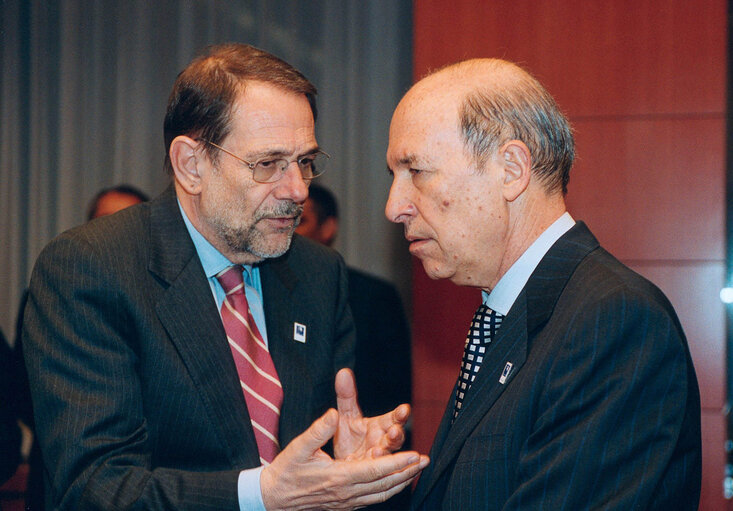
(182, 352)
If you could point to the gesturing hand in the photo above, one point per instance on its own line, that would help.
(304, 477)
(361, 437)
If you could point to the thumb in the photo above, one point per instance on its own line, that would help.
(316, 436)
(346, 394)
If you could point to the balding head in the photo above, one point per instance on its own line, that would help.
(480, 155)
(494, 101)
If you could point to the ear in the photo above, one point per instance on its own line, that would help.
(328, 230)
(185, 159)
(517, 164)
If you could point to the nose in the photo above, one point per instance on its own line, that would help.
(292, 185)
(399, 206)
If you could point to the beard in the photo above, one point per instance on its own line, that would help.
(250, 239)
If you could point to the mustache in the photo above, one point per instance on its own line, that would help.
(281, 209)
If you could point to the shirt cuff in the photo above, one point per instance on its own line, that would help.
(248, 490)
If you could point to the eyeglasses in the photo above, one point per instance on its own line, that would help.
(271, 170)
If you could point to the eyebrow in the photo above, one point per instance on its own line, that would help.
(282, 153)
(408, 159)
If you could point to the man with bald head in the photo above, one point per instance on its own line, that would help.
(576, 389)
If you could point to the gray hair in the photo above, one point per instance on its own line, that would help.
(521, 110)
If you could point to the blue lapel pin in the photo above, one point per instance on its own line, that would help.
(299, 332)
(505, 372)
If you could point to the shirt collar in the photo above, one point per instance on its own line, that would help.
(212, 260)
(506, 291)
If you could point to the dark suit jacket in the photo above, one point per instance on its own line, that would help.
(383, 362)
(601, 409)
(136, 396)
(383, 366)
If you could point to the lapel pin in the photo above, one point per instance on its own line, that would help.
(299, 332)
(505, 372)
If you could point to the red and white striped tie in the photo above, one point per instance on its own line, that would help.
(257, 375)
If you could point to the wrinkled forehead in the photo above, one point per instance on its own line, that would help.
(265, 115)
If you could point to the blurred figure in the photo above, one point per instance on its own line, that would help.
(10, 436)
(111, 200)
(383, 361)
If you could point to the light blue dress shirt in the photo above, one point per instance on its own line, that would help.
(506, 291)
(213, 261)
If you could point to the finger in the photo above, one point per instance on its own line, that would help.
(316, 436)
(368, 471)
(394, 438)
(397, 417)
(346, 394)
(381, 489)
(401, 414)
(391, 441)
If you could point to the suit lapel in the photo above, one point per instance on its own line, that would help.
(188, 313)
(279, 284)
(530, 311)
(510, 346)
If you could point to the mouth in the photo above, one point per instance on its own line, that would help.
(282, 222)
(416, 243)
(283, 217)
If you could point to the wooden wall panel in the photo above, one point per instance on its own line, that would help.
(713, 455)
(643, 82)
(625, 57)
(652, 188)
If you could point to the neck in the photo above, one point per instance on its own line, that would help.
(528, 220)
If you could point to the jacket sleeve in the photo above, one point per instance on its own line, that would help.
(618, 425)
(83, 364)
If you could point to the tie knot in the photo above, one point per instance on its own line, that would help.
(231, 279)
(485, 324)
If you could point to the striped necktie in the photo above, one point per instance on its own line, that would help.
(483, 328)
(257, 375)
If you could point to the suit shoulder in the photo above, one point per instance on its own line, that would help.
(304, 250)
(121, 234)
(123, 225)
(601, 282)
(601, 270)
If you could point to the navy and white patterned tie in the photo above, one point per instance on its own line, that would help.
(483, 328)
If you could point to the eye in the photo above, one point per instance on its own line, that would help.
(307, 161)
(414, 171)
(267, 164)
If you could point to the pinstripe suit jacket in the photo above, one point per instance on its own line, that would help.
(136, 396)
(601, 409)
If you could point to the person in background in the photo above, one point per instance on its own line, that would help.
(10, 434)
(113, 199)
(576, 389)
(182, 353)
(383, 366)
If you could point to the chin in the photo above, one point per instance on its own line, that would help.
(272, 250)
(435, 270)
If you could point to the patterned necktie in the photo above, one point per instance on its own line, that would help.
(257, 375)
(483, 328)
